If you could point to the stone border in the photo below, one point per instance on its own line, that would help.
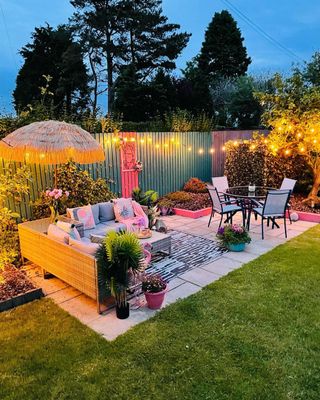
(306, 216)
(192, 214)
(23, 298)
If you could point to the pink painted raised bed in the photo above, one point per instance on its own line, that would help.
(309, 217)
(192, 214)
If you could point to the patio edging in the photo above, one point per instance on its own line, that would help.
(20, 299)
(306, 216)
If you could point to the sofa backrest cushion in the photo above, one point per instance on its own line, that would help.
(89, 248)
(83, 214)
(54, 232)
(123, 209)
(69, 228)
(106, 211)
(95, 211)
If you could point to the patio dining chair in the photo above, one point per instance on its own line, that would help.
(221, 184)
(288, 184)
(222, 207)
(274, 207)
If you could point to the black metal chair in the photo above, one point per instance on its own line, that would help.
(274, 207)
(222, 207)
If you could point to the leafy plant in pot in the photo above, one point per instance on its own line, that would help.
(234, 237)
(119, 256)
(154, 288)
(165, 206)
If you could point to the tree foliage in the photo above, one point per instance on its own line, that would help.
(223, 53)
(52, 53)
(293, 113)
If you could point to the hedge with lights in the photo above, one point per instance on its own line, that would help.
(253, 162)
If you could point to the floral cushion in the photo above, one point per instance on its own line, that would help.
(123, 209)
(83, 214)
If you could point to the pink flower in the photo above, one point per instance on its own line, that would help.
(47, 192)
(67, 193)
(57, 196)
(51, 194)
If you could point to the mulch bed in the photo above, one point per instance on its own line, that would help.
(13, 282)
(199, 201)
(298, 205)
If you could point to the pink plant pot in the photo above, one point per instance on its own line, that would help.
(155, 300)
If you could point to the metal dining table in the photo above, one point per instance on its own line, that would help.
(248, 199)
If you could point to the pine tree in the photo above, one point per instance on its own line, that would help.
(129, 33)
(53, 53)
(223, 53)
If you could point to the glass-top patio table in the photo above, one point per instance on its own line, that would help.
(248, 199)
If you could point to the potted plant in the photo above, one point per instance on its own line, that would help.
(165, 205)
(234, 237)
(154, 288)
(119, 256)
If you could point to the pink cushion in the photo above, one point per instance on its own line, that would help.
(89, 248)
(83, 214)
(123, 209)
(54, 232)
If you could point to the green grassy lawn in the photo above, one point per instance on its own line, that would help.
(255, 334)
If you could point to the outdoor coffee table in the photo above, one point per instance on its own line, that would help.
(160, 242)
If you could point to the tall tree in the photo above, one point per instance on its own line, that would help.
(53, 53)
(134, 33)
(223, 53)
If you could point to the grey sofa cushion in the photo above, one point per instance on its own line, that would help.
(114, 226)
(95, 211)
(100, 229)
(106, 212)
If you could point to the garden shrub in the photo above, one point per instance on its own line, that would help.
(181, 197)
(252, 162)
(195, 185)
(82, 188)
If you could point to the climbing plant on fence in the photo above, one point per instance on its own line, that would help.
(250, 161)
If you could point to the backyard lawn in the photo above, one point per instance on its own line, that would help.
(254, 334)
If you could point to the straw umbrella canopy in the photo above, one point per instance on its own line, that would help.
(51, 143)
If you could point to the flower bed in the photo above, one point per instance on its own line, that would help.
(16, 288)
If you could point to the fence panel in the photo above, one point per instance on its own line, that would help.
(170, 159)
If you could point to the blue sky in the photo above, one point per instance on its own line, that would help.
(293, 23)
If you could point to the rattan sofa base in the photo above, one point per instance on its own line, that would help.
(72, 266)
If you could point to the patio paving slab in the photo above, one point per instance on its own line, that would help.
(107, 325)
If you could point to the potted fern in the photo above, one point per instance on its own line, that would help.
(119, 256)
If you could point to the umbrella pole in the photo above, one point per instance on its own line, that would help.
(55, 176)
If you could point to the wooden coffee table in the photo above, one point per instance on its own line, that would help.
(160, 242)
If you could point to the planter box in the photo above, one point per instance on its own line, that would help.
(23, 298)
(306, 216)
(192, 214)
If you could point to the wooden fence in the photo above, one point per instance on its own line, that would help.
(219, 138)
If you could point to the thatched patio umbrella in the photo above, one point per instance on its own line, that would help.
(51, 143)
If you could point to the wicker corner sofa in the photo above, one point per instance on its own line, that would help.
(72, 266)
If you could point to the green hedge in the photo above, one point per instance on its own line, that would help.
(252, 162)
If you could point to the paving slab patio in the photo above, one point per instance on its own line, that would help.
(109, 327)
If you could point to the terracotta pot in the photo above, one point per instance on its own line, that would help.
(155, 300)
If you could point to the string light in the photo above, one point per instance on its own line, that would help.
(252, 147)
(42, 155)
(287, 152)
(223, 148)
(157, 146)
(299, 134)
(315, 141)
(133, 139)
(166, 145)
(200, 151)
(141, 141)
(172, 140)
(312, 130)
(302, 149)
(235, 143)
(189, 148)
(211, 151)
(125, 139)
(149, 139)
